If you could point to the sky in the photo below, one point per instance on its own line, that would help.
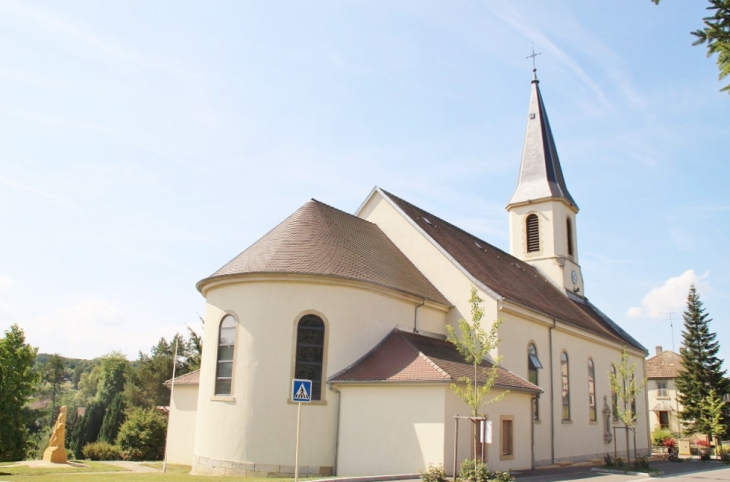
(145, 144)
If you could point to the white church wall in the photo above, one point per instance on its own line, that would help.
(442, 272)
(515, 405)
(580, 438)
(181, 425)
(516, 333)
(254, 427)
(390, 429)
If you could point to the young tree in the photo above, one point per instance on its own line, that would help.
(702, 368)
(53, 374)
(624, 385)
(474, 345)
(711, 420)
(16, 385)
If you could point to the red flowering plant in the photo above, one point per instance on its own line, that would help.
(669, 442)
(702, 443)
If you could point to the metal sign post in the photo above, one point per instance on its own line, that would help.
(301, 391)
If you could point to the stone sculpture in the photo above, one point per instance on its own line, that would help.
(56, 451)
(607, 437)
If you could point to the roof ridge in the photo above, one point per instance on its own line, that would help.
(422, 355)
(338, 210)
(369, 352)
(459, 229)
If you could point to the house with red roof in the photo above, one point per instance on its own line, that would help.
(359, 304)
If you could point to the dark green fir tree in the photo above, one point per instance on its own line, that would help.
(702, 368)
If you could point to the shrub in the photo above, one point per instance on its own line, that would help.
(502, 476)
(142, 435)
(641, 462)
(723, 453)
(608, 461)
(101, 451)
(658, 437)
(434, 473)
(473, 472)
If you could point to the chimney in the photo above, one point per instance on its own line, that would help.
(658, 350)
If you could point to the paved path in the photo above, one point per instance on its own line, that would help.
(132, 466)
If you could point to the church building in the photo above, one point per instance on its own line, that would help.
(359, 304)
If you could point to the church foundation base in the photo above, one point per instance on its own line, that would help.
(208, 466)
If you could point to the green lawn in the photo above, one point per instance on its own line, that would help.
(174, 473)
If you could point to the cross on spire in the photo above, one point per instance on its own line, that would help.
(534, 69)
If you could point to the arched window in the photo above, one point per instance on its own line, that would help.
(226, 345)
(614, 396)
(565, 385)
(533, 364)
(569, 232)
(592, 391)
(310, 352)
(533, 233)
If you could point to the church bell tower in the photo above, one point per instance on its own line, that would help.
(542, 213)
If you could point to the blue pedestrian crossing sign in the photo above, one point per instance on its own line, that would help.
(301, 390)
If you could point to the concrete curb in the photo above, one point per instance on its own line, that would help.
(370, 478)
(627, 472)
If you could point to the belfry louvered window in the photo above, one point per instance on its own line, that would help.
(310, 352)
(533, 233)
(569, 231)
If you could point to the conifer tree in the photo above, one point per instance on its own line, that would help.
(703, 371)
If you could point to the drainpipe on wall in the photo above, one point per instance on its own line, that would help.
(532, 432)
(646, 402)
(552, 397)
(337, 428)
(415, 316)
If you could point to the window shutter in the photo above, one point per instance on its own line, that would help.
(533, 233)
(569, 229)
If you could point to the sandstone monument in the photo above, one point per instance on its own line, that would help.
(56, 451)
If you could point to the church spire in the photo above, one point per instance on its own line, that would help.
(540, 176)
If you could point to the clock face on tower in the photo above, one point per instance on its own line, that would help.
(574, 277)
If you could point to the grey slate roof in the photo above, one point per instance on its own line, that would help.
(540, 174)
(321, 240)
(512, 278)
(403, 356)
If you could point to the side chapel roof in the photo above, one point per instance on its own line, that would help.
(321, 240)
(403, 357)
(512, 278)
(541, 176)
(667, 364)
(192, 378)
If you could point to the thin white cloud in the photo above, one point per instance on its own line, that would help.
(530, 31)
(682, 239)
(33, 190)
(5, 283)
(669, 297)
(92, 327)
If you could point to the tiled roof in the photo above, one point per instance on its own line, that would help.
(192, 378)
(409, 357)
(319, 239)
(667, 364)
(513, 279)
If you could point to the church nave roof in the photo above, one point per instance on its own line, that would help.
(511, 278)
(321, 240)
